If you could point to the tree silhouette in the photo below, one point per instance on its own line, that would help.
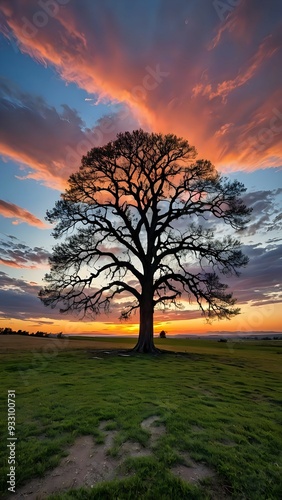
(140, 212)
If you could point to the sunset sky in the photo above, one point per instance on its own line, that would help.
(74, 73)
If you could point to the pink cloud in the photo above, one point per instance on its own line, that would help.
(11, 263)
(193, 79)
(20, 214)
(18, 255)
(266, 50)
(51, 143)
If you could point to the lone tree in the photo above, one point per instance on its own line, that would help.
(140, 211)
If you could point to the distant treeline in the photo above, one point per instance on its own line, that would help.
(9, 331)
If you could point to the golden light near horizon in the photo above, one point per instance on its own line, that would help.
(251, 319)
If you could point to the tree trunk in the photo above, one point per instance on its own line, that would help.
(145, 342)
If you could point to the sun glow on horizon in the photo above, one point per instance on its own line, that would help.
(258, 319)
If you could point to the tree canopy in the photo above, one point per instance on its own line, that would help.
(139, 221)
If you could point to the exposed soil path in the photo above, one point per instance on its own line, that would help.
(88, 464)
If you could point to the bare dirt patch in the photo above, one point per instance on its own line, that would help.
(133, 449)
(192, 471)
(88, 463)
(156, 429)
(85, 465)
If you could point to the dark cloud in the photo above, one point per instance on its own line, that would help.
(16, 254)
(51, 142)
(274, 240)
(260, 281)
(19, 299)
(266, 211)
(17, 284)
(20, 305)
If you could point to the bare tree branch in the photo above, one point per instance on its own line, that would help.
(141, 209)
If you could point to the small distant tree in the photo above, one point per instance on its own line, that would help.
(7, 331)
(39, 334)
(163, 334)
(23, 332)
(137, 211)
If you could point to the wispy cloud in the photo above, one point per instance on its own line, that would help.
(267, 211)
(164, 68)
(18, 255)
(20, 215)
(13, 263)
(51, 143)
(267, 49)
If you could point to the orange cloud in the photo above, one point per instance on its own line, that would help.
(20, 214)
(266, 50)
(11, 263)
(174, 76)
(51, 143)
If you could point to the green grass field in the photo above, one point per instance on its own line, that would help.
(221, 403)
